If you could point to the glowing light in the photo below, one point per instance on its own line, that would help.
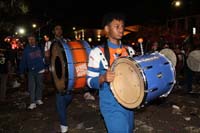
(34, 25)
(140, 40)
(89, 39)
(194, 31)
(21, 31)
(177, 3)
(132, 43)
(99, 36)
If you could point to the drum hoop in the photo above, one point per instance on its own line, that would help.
(70, 65)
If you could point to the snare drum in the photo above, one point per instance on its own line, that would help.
(141, 79)
(69, 64)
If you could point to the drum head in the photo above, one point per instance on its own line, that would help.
(170, 55)
(128, 84)
(193, 60)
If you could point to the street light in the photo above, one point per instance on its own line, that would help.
(21, 31)
(34, 25)
(177, 3)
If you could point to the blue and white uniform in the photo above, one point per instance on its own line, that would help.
(118, 119)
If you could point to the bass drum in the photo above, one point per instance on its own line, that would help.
(69, 64)
(141, 79)
(193, 60)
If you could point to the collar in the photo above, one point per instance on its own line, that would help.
(112, 45)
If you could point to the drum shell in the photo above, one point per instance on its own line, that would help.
(159, 75)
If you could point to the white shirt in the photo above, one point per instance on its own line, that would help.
(47, 46)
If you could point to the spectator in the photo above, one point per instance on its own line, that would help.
(32, 62)
(47, 47)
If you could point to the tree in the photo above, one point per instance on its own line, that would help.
(9, 11)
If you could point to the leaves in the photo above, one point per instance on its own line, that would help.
(10, 9)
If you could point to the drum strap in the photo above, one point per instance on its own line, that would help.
(107, 53)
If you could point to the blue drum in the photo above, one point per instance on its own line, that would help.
(141, 79)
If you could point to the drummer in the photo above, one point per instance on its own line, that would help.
(65, 98)
(117, 118)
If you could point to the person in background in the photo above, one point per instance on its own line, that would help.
(5, 65)
(47, 47)
(118, 119)
(154, 47)
(63, 99)
(32, 62)
(188, 73)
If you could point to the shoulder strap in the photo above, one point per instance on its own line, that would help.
(107, 53)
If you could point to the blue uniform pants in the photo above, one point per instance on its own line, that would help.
(62, 102)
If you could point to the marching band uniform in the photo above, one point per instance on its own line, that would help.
(117, 118)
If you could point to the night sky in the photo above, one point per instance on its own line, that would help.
(88, 14)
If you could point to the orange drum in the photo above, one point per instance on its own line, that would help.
(69, 64)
